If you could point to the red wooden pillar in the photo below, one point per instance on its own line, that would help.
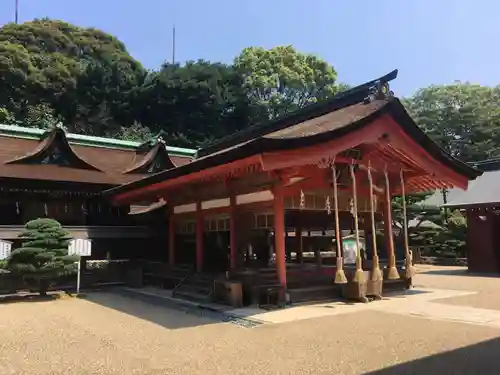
(232, 232)
(279, 234)
(199, 238)
(171, 239)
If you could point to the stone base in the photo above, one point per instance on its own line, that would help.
(374, 288)
(355, 291)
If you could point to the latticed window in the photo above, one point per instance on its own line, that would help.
(217, 224)
(186, 227)
(264, 221)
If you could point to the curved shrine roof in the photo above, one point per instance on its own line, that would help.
(345, 113)
(53, 155)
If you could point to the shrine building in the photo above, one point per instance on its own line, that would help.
(52, 173)
(247, 205)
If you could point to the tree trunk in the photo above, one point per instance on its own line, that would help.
(43, 287)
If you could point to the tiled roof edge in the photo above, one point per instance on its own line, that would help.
(16, 131)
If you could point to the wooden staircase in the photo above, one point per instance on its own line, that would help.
(197, 287)
(164, 275)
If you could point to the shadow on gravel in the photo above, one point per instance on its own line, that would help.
(403, 293)
(162, 312)
(458, 272)
(475, 359)
(152, 310)
(30, 297)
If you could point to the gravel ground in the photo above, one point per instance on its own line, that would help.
(109, 334)
(487, 288)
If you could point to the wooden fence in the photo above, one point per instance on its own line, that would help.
(94, 273)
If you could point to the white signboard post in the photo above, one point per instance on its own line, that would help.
(5, 249)
(83, 248)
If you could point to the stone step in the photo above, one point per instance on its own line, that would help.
(195, 288)
(200, 281)
(192, 295)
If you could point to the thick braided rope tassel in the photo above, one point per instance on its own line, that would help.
(376, 272)
(392, 271)
(410, 270)
(340, 277)
(359, 276)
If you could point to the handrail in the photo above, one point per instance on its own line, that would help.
(181, 282)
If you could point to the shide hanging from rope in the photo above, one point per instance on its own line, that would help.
(271, 186)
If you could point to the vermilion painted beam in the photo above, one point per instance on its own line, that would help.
(414, 151)
(159, 187)
(227, 209)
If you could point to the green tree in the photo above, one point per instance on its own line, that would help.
(462, 118)
(430, 229)
(17, 76)
(6, 117)
(83, 74)
(43, 257)
(41, 116)
(281, 79)
(194, 103)
(136, 132)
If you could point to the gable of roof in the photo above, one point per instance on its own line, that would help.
(95, 160)
(22, 132)
(153, 161)
(54, 148)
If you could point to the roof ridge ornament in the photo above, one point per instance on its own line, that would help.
(380, 90)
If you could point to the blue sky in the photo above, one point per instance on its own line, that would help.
(429, 41)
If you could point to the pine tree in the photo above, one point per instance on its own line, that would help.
(43, 257)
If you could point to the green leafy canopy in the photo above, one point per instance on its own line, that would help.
(43, 256)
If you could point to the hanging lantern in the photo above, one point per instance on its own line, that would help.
(18, 211)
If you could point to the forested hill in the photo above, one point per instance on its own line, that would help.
(52, 71)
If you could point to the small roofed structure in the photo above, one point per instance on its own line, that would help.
(334, 164)
(481, 203)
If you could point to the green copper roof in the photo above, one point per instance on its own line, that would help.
(15, 131)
